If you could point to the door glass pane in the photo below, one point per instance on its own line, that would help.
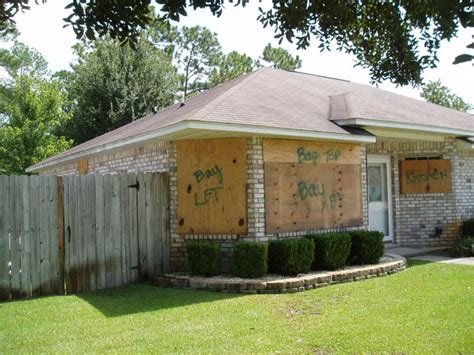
(378, 197)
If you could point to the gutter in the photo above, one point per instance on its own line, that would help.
(406, 126)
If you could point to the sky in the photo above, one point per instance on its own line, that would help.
(238, 29)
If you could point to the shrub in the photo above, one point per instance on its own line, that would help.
(467, 228)
(203, 257)
(250, 259)
(367, 247)
(290, 256)
(463, 247)
(331, 250)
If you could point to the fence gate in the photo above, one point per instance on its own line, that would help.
(81, 233)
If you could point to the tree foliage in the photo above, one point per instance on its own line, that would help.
(437, 93)
(231, 66)
(112, 85)
(280, 58)
(395, 40)
(30, 109)
(197, 52)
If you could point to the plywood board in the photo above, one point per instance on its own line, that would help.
(82, 167)
(212, 176)
(304, 152)
(439, 176)
(307, 196)
(425, 176)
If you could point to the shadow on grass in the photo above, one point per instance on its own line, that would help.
(415, 263)
(139, 298)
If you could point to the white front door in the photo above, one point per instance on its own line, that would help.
(380, 195)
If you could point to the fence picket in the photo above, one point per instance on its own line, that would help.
(100, 231)
(35, 236)
(150, 224)
(15, 231)
(4, 237)
(90, 236)
(116, 231)
(157, 211)
(73, 235)
(133, 225)
(125, 228)
(53, 236)
(142, 246)
(61, 231)
(24, 220)
(164, 224)
(108, 232)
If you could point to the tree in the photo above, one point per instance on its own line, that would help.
(197, 52)
(280, 58)
(437, 93)
(395, 39)
(231, 66)
(30, 110)
(112, 85)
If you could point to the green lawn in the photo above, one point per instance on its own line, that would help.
(427, 308)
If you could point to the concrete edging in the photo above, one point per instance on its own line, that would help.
(280, 284)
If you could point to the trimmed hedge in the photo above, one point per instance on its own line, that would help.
(467, 228)
(250, 259)
(290, 256)
(367, 247)
(331, 250)
(203, 257)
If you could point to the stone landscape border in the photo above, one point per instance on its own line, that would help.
(389, 264)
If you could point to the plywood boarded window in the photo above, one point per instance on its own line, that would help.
(212, 179)
(311, 185)
(425, 176)
(82, 167)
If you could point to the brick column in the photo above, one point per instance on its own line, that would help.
(255, 191)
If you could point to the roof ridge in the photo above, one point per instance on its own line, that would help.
(222, 97)
(317, 75)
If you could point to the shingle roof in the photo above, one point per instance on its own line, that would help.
(277, 98)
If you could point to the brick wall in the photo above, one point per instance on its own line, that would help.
(464, 184)
(143, 158)
(430, 219)
(417, 218)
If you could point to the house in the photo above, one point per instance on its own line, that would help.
(274, 154)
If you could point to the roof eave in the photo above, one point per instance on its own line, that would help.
(170, 131)
(362, 122)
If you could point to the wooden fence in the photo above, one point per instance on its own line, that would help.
(80, 233)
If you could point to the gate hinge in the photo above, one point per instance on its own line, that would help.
(135, 186)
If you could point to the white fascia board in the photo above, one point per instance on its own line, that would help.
(274, 131)
(408, 126)
(224, 127)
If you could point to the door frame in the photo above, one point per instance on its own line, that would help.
(383, 159)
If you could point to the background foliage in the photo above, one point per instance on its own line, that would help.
(110, 84)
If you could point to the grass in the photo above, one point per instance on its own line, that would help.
(427, 308)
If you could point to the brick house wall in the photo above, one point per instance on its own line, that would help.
(430, 219)
(464, 184)
(416, 216)
(152, 157)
